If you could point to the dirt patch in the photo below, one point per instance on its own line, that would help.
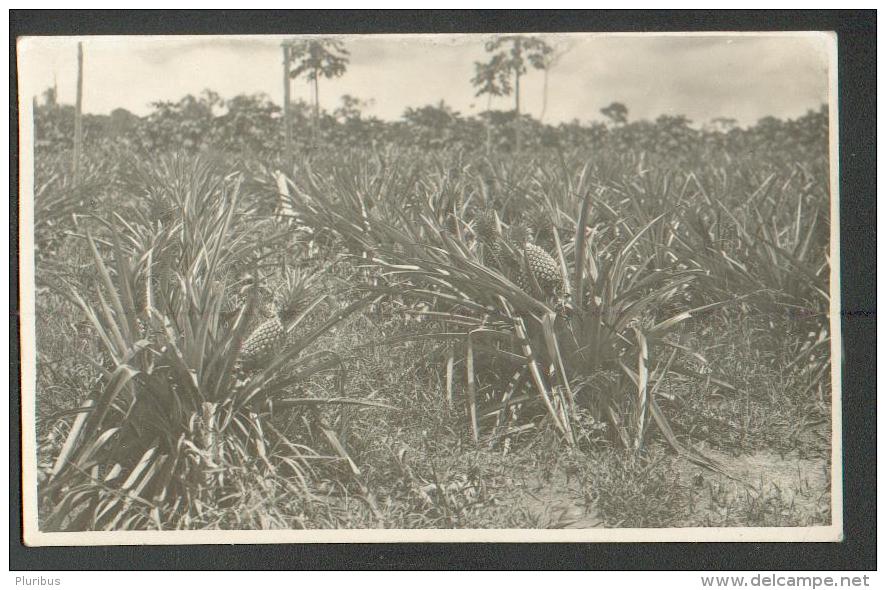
(779, 490)
(556, 504)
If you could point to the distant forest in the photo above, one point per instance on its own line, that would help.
(254, 124)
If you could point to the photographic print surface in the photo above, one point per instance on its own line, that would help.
(553, 287)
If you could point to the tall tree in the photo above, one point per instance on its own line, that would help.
(550, 60)
(314, 58)
(616, 112)
(491, 79)
(287, 117)
(78, 116)
(50, 96)
(513, 55)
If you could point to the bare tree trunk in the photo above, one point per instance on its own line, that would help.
(551, 61)
(517, 113)
(544, 94)
(287, 114)
(78, 116)
(488, 124)
(316, 105)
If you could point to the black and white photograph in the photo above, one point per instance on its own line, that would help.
(430, 287)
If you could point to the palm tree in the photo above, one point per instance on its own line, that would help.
(491, 79)
(511, 57)
(314, 58)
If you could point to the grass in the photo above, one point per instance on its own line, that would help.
(422, 387)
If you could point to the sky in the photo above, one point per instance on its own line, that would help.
(744, 77)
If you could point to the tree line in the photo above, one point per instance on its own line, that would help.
(254, 124)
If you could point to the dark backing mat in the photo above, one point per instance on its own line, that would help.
(857, 106)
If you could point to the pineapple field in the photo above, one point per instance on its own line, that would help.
(439, 322)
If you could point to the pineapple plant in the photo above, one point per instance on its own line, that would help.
(238, 298)
(540, 264)
(546, 230)
(543, 268)
(165, 214)
(486, 229)
(270, 337)
(263, 342)
(174, 426)
(518, 301)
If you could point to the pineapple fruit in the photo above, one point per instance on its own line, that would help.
(486, 229)
(509, 258)
(544, 268)
(541, 264)
(261, 344)
(271, 336)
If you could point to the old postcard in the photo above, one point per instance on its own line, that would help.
(540, 287)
